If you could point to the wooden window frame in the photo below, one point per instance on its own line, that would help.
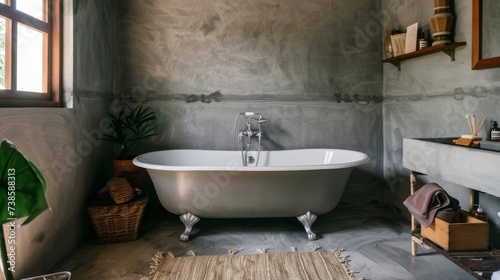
(52, 74)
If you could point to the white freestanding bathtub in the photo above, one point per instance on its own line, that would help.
(214, 184)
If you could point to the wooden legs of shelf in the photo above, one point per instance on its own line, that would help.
(417, 240)
(413, 187)
(473, 199)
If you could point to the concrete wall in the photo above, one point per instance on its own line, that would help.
(312, 68)
(61, 142)
(429, 99)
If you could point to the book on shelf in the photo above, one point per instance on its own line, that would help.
(411, 38)
(398, 42)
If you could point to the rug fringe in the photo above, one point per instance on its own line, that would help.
(315, 248)
(155, 263)
(263, 250)
(234, 251)
(344, 260)
(191, 253)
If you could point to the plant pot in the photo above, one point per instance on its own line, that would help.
(136, 176)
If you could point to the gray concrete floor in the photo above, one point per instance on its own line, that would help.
(376, 239)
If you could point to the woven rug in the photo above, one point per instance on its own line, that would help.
(291, 265)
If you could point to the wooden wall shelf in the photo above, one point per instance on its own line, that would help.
(447, 48)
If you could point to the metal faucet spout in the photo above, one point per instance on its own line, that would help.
(257, 119)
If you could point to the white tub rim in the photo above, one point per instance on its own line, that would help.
(359, 159)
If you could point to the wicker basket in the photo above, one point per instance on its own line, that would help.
(116, 222)
(120, 190)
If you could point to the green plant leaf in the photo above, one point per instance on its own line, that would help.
(22, 183)
(130, 127)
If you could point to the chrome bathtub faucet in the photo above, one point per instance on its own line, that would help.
(249, 133)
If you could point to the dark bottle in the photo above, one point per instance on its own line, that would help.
(422, 41)
(495, 132)
(479, 214)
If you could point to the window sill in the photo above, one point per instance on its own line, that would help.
(29, 103)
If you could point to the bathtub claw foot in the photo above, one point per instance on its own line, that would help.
(307, 220)
(189, 220)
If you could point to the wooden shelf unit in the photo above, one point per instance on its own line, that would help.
(478, 264)
(472, 262)
(447, 48)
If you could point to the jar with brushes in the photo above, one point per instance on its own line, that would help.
(495, 132)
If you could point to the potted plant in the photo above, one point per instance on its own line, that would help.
(22, 196)
(127, 129)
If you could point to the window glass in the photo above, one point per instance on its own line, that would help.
(30, 64)
(33, 8)
(30, 60)
(3, 59)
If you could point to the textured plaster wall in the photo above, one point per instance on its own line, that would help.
(312, 68)
(62, 142)
(429, 99)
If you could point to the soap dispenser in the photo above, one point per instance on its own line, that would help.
(479, 213)
(495, 132)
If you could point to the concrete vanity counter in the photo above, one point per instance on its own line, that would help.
(473, 168)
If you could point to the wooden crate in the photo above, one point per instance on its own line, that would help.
(470, 234)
